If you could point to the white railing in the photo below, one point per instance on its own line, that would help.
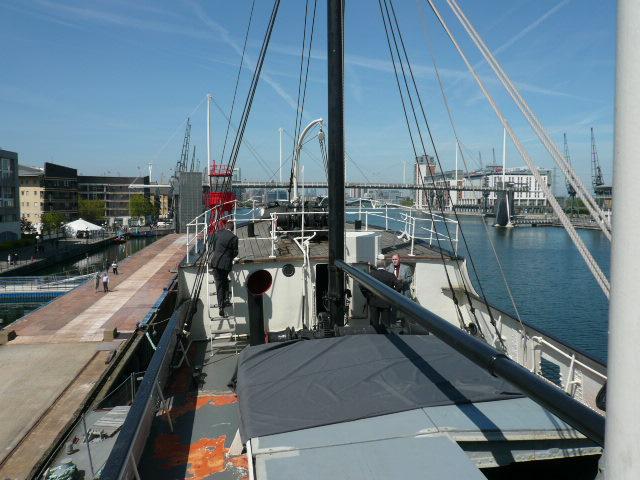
(411, 223)
(428, 226)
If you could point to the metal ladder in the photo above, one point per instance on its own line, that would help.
(223, 338)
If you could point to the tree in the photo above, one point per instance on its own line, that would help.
(26, 226)
(92, 210)
(140, 206)
(51, 221)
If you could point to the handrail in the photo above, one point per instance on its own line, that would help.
(129, 445)
(579, 416)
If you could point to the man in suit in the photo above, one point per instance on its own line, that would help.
(225, 249)
(403, 274)
(381, 314)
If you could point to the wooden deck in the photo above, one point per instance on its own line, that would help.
(59, 353)
(258, 248)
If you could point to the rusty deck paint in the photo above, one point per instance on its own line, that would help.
(205, 421)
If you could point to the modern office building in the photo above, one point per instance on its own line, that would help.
(116, 192)
(9, 196)
(61, 190)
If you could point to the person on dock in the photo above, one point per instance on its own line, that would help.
(225, 249)
(105, 282)
(97, 280)
(381, 314)
(403, 275)
(114, 267)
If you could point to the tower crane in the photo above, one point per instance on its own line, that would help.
(570, 190)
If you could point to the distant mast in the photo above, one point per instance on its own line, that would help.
(622, 441)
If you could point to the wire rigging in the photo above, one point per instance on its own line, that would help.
(453, 209)
(235, 90)
(235, 150)
(305, 54)
(447, 106)
(402, 58)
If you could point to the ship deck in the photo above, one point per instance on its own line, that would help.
(450, 441)
(62, 350)
(258, 248)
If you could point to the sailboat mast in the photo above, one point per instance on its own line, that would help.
(622, 444)
(335, 50)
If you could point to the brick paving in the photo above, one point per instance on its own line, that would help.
(84, 313)
(68, 330)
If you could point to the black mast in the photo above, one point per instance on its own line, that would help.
(335, 30)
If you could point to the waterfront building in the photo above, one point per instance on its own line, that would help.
(61, 190)
(32, 193)
(9, 199)
(529, 196)
(116, 193)
(424, 169)
(161, 197)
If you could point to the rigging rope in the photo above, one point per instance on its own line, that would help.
(235, 90)
(549, 144)
(245, 142)
(302, 85)
(235, 150)
(600, 277)
(385, 19)
(439, 199)
(433, 180)
(467, 171)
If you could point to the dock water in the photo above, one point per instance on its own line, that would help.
(59, 354)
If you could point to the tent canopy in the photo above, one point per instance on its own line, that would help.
(81, 225)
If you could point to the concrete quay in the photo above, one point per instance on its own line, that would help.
(61, 351)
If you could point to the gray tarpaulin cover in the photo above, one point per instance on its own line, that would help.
(283, 387)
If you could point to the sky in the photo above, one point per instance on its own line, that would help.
(106, 86)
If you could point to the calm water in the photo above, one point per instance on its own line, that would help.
(10, 312)
(552, 287)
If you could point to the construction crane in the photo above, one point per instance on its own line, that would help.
(570, 190)
(602, 191)
(183, 161)
(596, 172)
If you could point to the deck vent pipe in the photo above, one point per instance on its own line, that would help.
(257, 284)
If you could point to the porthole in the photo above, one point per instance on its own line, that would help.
(288, 270)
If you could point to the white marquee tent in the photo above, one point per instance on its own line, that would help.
(80, 225)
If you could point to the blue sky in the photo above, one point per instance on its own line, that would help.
(105, 86)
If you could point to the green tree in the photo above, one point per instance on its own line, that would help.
(407, 202)
(51, 221)
(140, 206)
(91, 210)
(26, 227)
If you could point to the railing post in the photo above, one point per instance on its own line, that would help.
(86, 440)
(413, 235)
(431, 231)
(360, 209)
(273, 236)
(187, 243)
(386, 216)
(235, 220)
(366, 221)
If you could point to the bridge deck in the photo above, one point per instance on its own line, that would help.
(58, 355)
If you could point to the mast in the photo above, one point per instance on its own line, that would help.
(335, 174)
(209, 98)
(623, 386)
(281, 153)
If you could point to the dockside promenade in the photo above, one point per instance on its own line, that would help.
(62, 349)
